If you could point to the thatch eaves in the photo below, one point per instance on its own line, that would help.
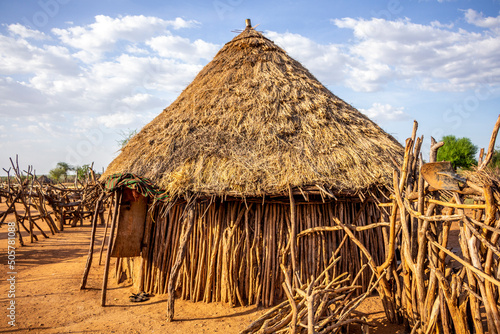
(254, 121)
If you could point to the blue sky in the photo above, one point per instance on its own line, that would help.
(76, 74)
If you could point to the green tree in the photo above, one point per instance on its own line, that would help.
(459, 151)
(495, 159)
(82, 171)
(61, 170)
(56, 174)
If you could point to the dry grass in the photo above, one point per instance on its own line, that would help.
(254, 121)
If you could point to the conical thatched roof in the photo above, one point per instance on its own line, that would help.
(254, 121)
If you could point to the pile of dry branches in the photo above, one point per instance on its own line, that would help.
(326, 304)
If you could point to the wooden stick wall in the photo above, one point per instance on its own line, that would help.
(236, 248)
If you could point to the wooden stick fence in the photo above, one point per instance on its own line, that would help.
(437, 289)
(32, 201)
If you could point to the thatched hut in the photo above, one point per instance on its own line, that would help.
(44, 180)
(253, 155)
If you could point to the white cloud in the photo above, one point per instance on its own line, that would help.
(477, 19)
(144, 66)
(137, 99)
(141, 102)
(368, 77)
(182, 48)
(111, 85)
(382, 112)
(49, 78)
(24, 32)
(18, 99)
(128, 75)
(180, 23)
(102, 35)
(20, 56)
(327, 62)
(428, 56)
(433, 57)
(437, 24)
(118, 119)
(134, 49)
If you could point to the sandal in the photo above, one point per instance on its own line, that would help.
(139, 297)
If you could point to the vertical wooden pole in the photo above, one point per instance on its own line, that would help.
(106, 228)
(247, 283)
(310, 308)
(174, 272)
(293, 236)
(118, 198)
(18, 228)
(28, 212)
(91, 248)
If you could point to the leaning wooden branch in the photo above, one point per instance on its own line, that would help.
(469, 266)
(339, 228)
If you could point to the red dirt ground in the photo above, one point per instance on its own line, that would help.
(48, 298)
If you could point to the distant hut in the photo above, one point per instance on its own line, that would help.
(43, 179)
(252, 156)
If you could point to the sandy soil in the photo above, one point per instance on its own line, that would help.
(48, 298)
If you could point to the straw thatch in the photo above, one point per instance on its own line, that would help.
(254, 121)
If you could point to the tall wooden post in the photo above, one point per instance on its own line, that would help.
(293, 237)
(118, 200)
(92, 240)
(174, 272)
